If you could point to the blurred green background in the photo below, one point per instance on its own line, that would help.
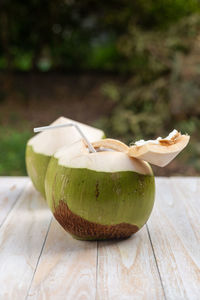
(131, 68)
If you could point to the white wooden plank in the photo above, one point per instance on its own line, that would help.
(21, 240)
(67, 268)
(10, 189)
(174, 230)
(127, 270)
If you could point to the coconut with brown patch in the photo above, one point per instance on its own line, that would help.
(101, 195)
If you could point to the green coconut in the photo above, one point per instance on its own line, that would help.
(101, 195)
(42, 146)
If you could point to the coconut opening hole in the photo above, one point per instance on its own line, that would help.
(99, 149)
(102, 149)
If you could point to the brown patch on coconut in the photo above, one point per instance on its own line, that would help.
(82, 228)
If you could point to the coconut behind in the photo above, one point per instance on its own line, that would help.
(43, 145)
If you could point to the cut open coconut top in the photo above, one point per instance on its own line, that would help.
(78, 156)
(161, 151)
(48, 142)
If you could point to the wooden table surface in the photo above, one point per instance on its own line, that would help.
(39, 260)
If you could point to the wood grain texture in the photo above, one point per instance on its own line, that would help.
(127, 270)
(67, 268)
(175, 233)
(21, 239)
(10, 189)
(42, 261)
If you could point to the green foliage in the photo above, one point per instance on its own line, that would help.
(12, 149)
(164, 92)
(155, 41)
(76, 34)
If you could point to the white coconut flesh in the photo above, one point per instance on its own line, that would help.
(161, 151)
(78, 156)
(48, 142)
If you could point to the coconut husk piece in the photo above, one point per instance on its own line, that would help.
(162, 153)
